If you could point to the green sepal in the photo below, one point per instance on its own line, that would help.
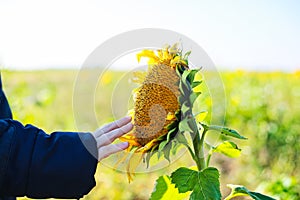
(184, 85)
(175, 146)
(184, 125)
(178, 115)
(185, 108)
(159, 154)
(147, 158)
(196, 83)
(186, 55)
(150, 154)
(172, 125)
(171, 134)
(191, 75)
(167, 138)
(162, 145)
(167, 150)
(185, 75)
(180, 69)
(194, 96)
(182, 99)
(181, 139)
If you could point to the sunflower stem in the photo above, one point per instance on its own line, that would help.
(201, 151)
(198, 145)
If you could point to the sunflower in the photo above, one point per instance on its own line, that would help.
(162, 101)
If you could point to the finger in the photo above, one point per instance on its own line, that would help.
(106, 151)
(113, 125)
(116, 124)
(108, 138)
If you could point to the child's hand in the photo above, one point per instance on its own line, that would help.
(108, 133)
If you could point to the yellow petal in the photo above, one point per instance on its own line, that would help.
(131, 139)
(148, 146)
(147, 54)
(131, 114)
(170, 116)
(139, 77)
(134, 161)
(175, 60)
(159, 54)
(166, 56)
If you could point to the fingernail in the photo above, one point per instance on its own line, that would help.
(128, 117)
(123, 145)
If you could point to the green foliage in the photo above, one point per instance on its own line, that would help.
(228, 148)
(203, 184)
(284, 188)
(160, 188)
(263, 106)
(238, 190)
(165, 190)
(226, 131)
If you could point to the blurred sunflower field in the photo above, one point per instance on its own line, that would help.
(263, 106)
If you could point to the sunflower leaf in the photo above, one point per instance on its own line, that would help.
(160, 188)
(226, 131)
(165, 190)
(203, 184)
(184, 179)
(239, 190)
(229, 149)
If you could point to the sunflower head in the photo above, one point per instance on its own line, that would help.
(161, 101)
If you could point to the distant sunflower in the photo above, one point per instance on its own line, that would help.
(158, 102)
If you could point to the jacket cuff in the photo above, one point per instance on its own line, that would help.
(63, 165)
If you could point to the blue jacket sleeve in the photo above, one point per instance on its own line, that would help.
(38, 165)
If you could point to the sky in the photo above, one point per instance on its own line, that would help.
(236, 34)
